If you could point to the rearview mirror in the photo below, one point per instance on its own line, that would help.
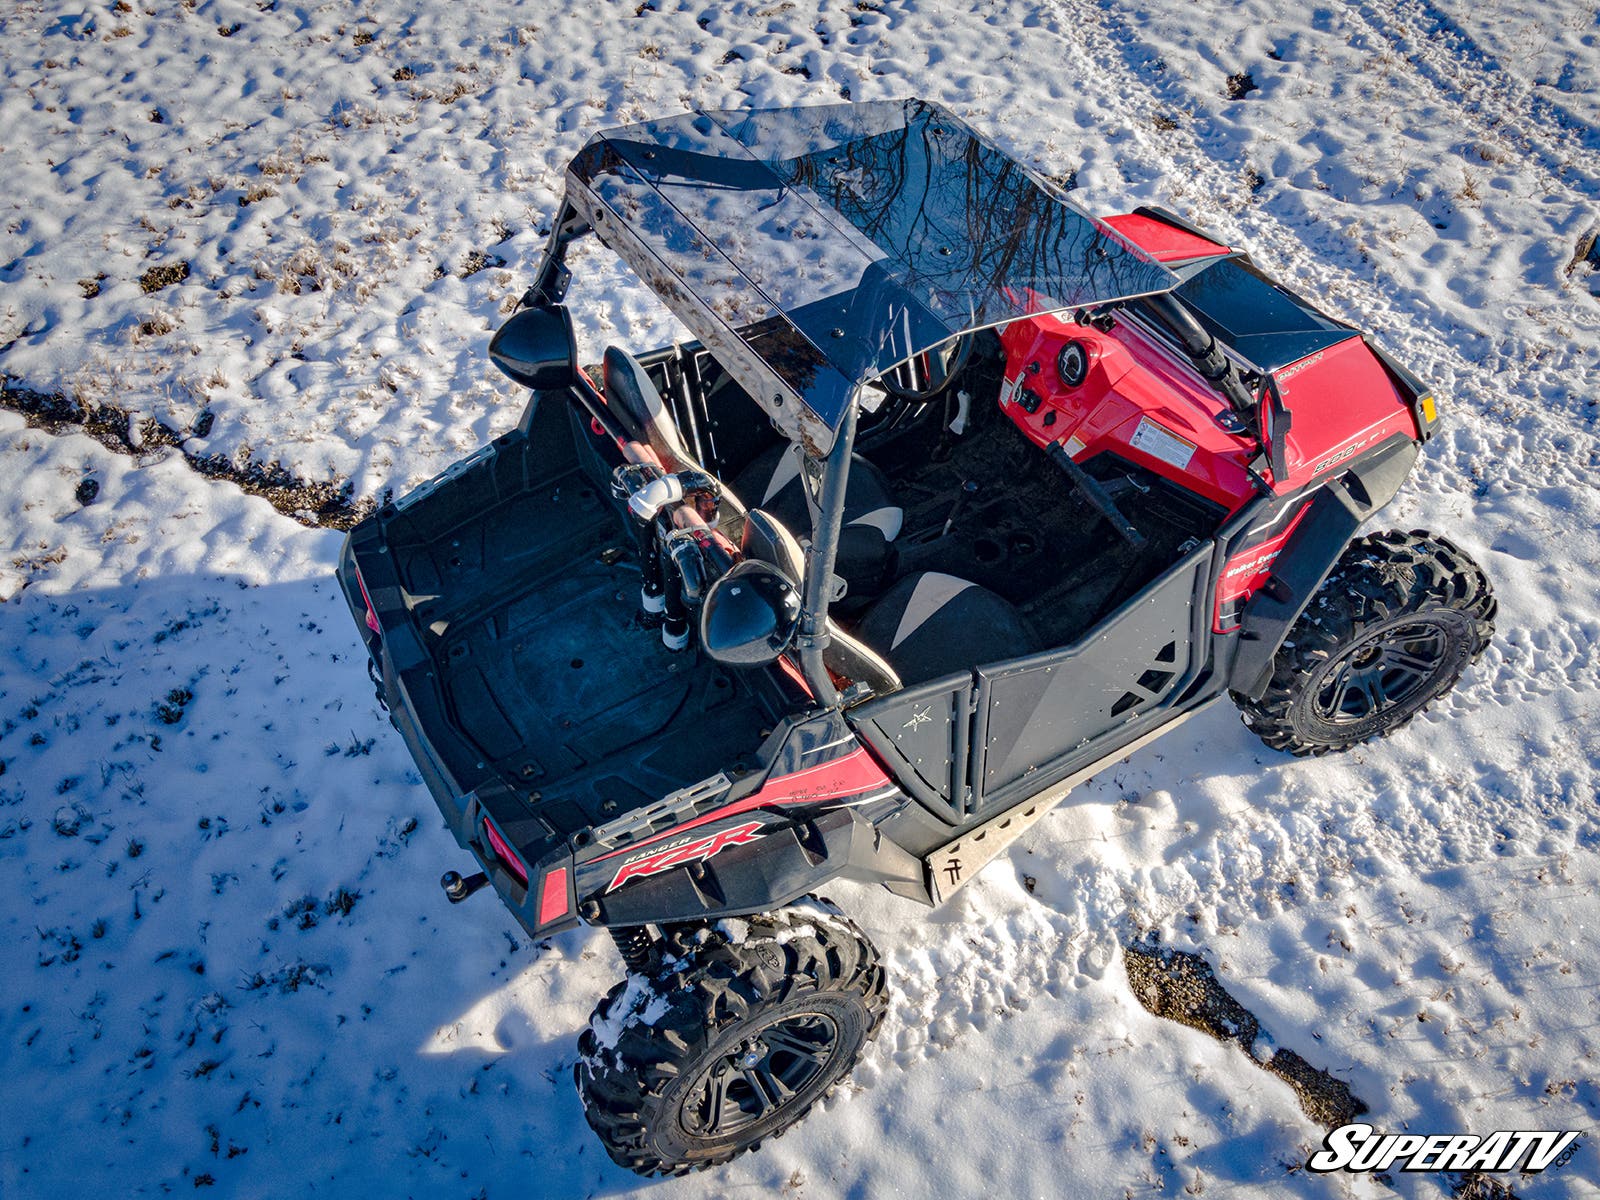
(750, 615)
(537, 349)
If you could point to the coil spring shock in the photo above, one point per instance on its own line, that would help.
(635, 945)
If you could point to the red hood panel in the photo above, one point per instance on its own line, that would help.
(1163, 242)
(1342, 402)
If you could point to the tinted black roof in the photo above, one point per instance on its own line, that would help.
(814, 248)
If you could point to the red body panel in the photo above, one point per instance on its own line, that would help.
(1133, 381)
(848, 775)
(1343, 402)
(1245, 572)
(1163, 242)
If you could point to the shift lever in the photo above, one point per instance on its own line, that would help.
(969, 489)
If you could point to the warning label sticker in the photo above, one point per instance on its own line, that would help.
(1160, 442)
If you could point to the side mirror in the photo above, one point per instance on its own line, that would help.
(750, 615)
(537, 349)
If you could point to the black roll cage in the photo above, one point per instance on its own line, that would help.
(1263, 413)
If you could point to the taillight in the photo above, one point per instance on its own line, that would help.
(505, 853)
(372, 617)
(553, 896)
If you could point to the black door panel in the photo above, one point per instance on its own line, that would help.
(925, 733)
(1050, 710)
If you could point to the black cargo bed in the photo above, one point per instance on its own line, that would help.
(522, 588)
(562, 684)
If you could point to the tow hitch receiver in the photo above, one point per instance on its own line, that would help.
(457, 889)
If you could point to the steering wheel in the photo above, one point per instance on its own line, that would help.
(923, 377)
(906, 388)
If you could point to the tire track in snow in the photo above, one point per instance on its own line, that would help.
(1448, 58)
(1212, 164)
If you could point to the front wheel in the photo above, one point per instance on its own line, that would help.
(1391, 629)
(731, 1040)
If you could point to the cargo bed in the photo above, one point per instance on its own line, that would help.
(510, 648)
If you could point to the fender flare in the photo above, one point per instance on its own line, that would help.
(1336, 511)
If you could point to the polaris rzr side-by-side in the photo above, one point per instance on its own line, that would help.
(959, 495)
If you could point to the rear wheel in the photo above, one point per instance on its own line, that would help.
(730, 1040)
(1390, 630)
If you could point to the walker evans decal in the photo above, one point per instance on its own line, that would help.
(1360, 1147)
(697, 850)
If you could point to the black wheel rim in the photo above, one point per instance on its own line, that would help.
(760, 1075)
(1391, 669)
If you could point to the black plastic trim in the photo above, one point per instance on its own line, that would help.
(1338, 507)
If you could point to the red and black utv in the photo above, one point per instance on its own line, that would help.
(959, 495)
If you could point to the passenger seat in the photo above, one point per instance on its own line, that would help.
(872, 517)
(930, 624)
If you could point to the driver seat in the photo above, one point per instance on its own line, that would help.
(872, 517)
(866, 557)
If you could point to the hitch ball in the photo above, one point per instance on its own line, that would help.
(457, 889)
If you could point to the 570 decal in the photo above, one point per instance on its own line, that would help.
(686, 852)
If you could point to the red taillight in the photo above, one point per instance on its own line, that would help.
(505, 853)
(553, 896)
(372, 617)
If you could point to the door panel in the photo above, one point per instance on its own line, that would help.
(925, 734)
(1039, 715)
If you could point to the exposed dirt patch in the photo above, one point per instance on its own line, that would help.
(477, 261)
(166, 275)
(1587, 254)
(1239, 86)
(1474, 1186)
(1326, 1100)
(324, 504)
(1182, 987)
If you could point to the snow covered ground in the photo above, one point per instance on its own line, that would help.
(226, 959)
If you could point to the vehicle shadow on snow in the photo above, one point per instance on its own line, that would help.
(204, 796)
(200, 795)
